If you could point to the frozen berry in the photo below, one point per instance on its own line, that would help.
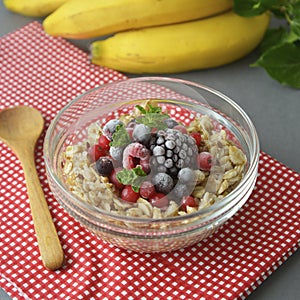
(187, 201)
(171, 123)
(116, 153)
(147, 189)
(104, 166)
(95, 152)
(136, 154)
(163, 183)
(103, 142)
(110, 128)
(204, 161)
(197, 137)
(113, 179)
(159, 200)
(180, 128)
(141, 133)
(180, 190)
(128, 194)
(186, 175)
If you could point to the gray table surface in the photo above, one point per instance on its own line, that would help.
(275, 111)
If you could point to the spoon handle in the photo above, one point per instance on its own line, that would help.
(49, 245)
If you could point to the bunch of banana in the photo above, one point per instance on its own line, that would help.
(152, 36)
(33, 8)
(192, 45)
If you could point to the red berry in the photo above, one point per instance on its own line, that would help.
(147, 189)
(181, 128)
(114, 180)
(188, 201)
(128, 194)
(95, 152)
(197, 137)
(159, 200)
(104, 142)
(204, 161)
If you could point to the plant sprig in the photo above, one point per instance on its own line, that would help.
(133, 177)
(152, 116)
(280, 48)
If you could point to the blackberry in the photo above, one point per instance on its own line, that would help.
(172, 151)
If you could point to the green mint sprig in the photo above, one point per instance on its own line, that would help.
(120, 137)
(152, 117)
(280, 49)
(133, 177)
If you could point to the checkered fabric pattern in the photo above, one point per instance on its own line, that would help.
(46, 73)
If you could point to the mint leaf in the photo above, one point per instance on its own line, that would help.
(273, 37)
(282, 63)
(149, 109)
(120, 137)
(133, 177)
(153, 120)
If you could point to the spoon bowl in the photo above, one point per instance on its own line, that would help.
(20, 128)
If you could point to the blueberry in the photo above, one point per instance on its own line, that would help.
(104, 166)
(116, 153)
(163, 183)
(187, 176)
(110, 127)
(180, 190)
(141, 133)
(170, 123)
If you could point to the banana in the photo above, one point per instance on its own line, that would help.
(200, 44)
(81, 19)
(33, 8)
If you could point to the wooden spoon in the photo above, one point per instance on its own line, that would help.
(20, 128)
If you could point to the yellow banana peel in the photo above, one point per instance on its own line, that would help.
(33, 8)
(193, 45)
(81, 19)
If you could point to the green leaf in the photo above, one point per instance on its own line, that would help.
(251, 8)
(120, 137)
(294, 16)
(153, 120)
(149, 109)
(282, 63)
(274, 37)
(133, 177)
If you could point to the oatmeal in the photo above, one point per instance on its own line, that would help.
(148, 164)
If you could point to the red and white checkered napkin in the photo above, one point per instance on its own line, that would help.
(46, 73)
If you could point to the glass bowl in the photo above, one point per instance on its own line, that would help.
(185, 100)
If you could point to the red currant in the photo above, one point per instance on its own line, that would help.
(95, 152)
(181, 128)
(197, 137)
(114, 180)
(188, 201)
(159, 200)
(204, 161)
(103, 142)
(147, 189)
(128, 194)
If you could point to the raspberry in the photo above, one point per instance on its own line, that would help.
(136, 154)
